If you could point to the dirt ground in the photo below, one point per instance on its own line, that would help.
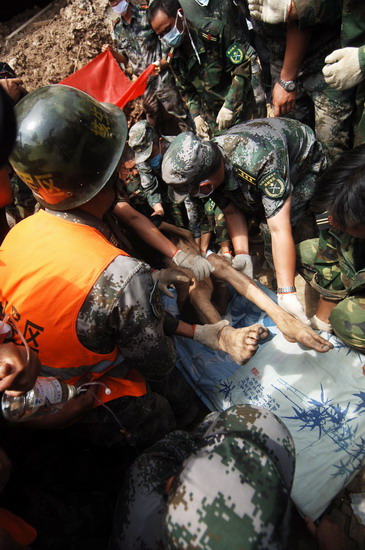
(66, 36)
(61, 40)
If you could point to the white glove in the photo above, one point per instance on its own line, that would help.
(343, 69)
(318, 324)
(224, 118)
(270, 11)
(198, 265)
(208, 334)
(168, 277)
(291, 304)
(243, 263)
(202, 127)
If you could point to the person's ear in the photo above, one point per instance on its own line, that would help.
(204, 184)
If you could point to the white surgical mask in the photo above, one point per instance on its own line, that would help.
(121, 8)
(174, 38)
(202, 2)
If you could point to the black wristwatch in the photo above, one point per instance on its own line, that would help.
(288, 85)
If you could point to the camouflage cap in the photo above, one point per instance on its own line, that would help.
(234, 491)
(188, 160)
(141, 138)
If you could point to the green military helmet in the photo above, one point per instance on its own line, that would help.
(188, 161)
(141, 138)
(68, 145)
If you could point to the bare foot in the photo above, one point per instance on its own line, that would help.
(241, 343)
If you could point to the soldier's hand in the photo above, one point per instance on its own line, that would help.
(224, 118)
(202, 128)
(243, 263)
(105, 47)
(291, 304)
(342, 70)
(13, 87)
(283, 101)
(168, 277)
(201, 267)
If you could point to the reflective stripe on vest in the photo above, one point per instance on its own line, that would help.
(48, 265)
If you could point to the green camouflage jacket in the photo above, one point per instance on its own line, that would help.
(223, 76)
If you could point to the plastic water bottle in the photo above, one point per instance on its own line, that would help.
(47, 396)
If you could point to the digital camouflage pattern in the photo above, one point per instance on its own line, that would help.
(191, 212)
(334, 265)
(353, 34)
(317, 104)
(187, 162)
(139, 43)
(266, 160)
(232, 488)
(54, 124)
(222, 77)
(140, 139)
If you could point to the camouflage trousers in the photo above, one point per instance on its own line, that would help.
(327, 111)
(165, 108)
(216, 221)
(325, 275)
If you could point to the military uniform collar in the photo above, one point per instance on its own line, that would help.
(199, 44)
(134, 15)
(83, 218)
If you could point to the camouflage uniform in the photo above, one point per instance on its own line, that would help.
(191, 213)
(353, 34)
(221, 77)
(230, 13)
(266, 160)
(233, 479)
(139, 43)
(334, 265)
(217, 222)
(123, 308)
(326, 110)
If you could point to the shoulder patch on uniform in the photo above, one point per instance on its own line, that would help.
(272, 185)
(210, 29)
(245, 176)
(235, 53)
(323, 221)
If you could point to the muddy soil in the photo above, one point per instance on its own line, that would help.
(61, 40)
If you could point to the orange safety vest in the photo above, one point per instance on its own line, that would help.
(48, 265)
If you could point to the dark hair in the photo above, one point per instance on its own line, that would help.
(170, 7)
(341, 190)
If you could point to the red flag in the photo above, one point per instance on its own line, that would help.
(104, 80)
(137, 88)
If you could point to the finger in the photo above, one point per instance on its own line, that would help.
(167, 292)
(5, 369)
(310, 526)
(180, 278)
